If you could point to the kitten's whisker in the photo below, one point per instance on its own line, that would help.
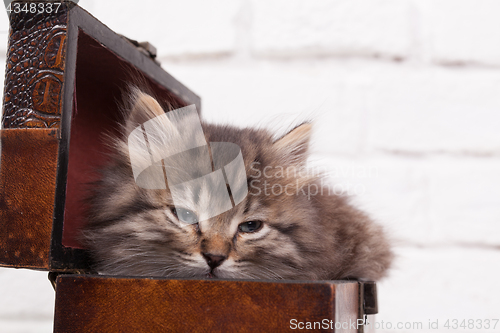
(272, 272)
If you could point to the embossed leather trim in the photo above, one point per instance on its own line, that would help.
(35, 68)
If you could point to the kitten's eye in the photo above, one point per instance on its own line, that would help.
(250, 226)
(185, 215)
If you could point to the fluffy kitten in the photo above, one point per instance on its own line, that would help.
(279, 231)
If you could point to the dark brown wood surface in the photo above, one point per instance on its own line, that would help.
(110, 304)
(27, 183)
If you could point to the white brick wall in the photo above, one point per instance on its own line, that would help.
(440, 283)
(208, 26)
(463, 31)
(405, 98)
(438, 110)
(342, 27)
(26, 301)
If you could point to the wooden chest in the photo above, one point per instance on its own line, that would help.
(65, 73)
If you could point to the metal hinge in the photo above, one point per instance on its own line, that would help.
(145, 47)
(53, 278)
(368, 304)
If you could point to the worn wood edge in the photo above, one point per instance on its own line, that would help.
(132, 277)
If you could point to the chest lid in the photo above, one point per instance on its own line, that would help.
(66, 73)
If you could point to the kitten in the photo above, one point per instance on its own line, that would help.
(278, 231)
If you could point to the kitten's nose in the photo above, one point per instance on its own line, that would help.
(213, 260)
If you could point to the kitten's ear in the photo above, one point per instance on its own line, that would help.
(293, 147)
(143, 108)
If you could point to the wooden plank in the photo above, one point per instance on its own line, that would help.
(108, 304)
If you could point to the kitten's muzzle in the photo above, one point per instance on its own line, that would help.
(213, 260)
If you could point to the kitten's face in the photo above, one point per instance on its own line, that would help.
(270, 234)
(255, 239)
